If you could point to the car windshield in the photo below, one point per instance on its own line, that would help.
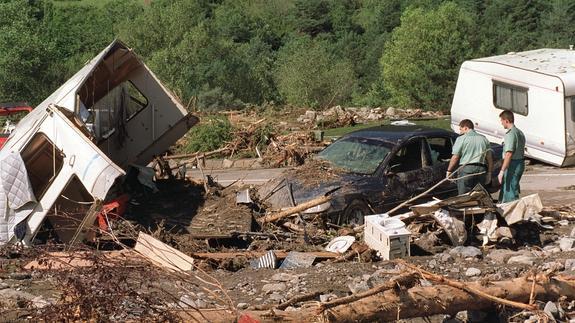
(356, 155)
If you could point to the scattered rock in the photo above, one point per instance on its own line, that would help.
(40, 302)
(470, 272)
(358, 285)
(243, 306)
(276, 297)
(570, 265)
(278, 287)
(552, 266)
(522, 260)
(425, 283)
(563, 222)
(471, 316)
(500, 255)
(572, 234)
(19, 276)
(551, 309)
(284, 277)
(445, 257)
(465, 252)
(390, 112)
(326, 297)
(566, 244)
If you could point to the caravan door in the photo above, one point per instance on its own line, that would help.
(569, 130)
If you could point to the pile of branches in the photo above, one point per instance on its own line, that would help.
(289, 150)
(257, 139)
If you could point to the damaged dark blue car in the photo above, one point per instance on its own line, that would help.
(370, 171)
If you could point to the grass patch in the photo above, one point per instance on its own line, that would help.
(443, 123)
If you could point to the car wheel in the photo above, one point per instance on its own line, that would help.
(355, 211)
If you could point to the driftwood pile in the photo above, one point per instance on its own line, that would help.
(258, 139)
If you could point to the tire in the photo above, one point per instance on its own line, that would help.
(355, 211)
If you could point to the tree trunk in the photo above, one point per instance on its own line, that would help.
(419, 302)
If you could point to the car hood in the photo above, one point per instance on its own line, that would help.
(292, 188)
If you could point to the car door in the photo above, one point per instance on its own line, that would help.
(410, 172)
(440, 149)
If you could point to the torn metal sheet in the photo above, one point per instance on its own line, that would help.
(454, 228)
(296, 259)
(269, 260)
(478, 200)
(112, 113)
(243, 197)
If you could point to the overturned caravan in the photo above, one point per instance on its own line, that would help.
(63, 158)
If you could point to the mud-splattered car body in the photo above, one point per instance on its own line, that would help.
(372, 170)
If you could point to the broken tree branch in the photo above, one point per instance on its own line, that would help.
(296, 209)
(463, 286)
(391, 305)
(406, 280)
(298, 299)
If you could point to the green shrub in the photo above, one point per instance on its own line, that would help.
(210, 135)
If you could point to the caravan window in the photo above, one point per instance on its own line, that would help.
(510, 97)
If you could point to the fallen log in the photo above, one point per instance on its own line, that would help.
(296, 209)
(391, 305)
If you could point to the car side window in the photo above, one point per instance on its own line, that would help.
(408, 158)
(440, 148)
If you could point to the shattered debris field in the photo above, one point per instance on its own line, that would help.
(192, 252)
(99, 223)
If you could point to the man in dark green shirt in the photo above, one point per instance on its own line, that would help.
(513, 159)
(472, 151)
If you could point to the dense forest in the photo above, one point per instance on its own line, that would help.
(222, 54)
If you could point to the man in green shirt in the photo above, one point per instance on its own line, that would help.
(513, 159)
(472, 151)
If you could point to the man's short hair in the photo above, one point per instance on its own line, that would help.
(466, 123)
(507, 115)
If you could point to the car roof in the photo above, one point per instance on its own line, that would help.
(397, 133)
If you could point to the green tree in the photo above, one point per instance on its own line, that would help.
(25, 54)
(421, 61)
(164, 24)
(559, 25)
(312, 17)
(307, 74)
(511, 25)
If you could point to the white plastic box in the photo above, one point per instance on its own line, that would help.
(388, 236)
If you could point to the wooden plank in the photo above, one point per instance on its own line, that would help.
(162, 255)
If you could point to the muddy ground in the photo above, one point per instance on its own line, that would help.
(177, 212)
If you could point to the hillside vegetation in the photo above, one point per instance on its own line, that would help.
(223, 54)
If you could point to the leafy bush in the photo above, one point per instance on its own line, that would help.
(421, 61)
(308, 75)
(216, 98)
(210, 135)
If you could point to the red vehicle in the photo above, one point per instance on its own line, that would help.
(10, 114)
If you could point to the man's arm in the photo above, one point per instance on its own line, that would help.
(505, 165)
(452, 162)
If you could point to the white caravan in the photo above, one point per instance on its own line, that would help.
(537, 85)
(62, 159)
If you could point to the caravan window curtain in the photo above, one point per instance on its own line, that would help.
(510, 97)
